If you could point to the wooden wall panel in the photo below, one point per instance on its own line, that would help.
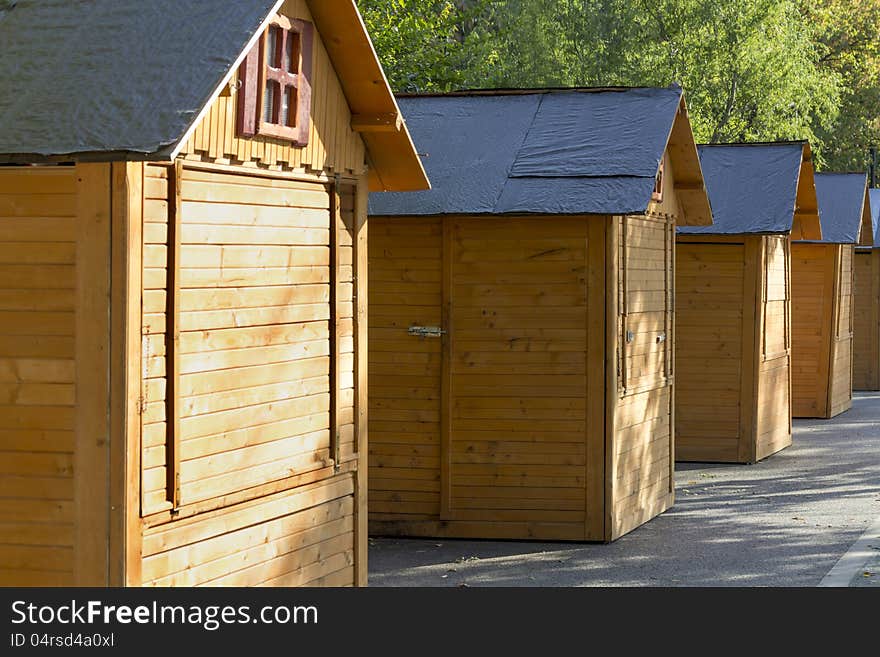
(154, 495)
(333, 146)
(254, 342)
(259, 338)
(710, 303)
(300, 537)
(866, 320)
(642, 463)
(519, 370)
(37, 387)
(812, 276)
(842, 363)
(404, 371)
(773, 419)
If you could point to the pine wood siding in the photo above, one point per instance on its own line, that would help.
(733, 347)
(866, 320)
(533, 416)
(300, 537)
(821, 329)
(518, 367)
(333, 146)
(483, 432)
(773, 414)
(265, 357)
(38, 207)
(642, 460)
(406, 264)
(711, 296)
(842, 345)
(155, 278)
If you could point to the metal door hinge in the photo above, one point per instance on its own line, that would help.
(426, 331)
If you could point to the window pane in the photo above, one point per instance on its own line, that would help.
(288, 107)
(291, 57)
(272, 46)
(269, 103)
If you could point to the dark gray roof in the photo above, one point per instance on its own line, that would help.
(127, 76)
(874, 198)
(841, 198)
(752, 187)
(540, 152)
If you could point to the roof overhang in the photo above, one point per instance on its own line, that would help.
(866, 226)
(395, 163)
(806, 224)
(690, 186)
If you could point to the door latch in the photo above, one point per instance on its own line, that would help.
(426, 331)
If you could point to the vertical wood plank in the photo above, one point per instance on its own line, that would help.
(172, 336)
(670, 346)
(125, 391)
(612, 336)
(596, 392)
(834, 334)
(874, 303)
(624, 301)
(336, 225)
(447, 348)
(361, 356)
(92, 453)
(754, 296)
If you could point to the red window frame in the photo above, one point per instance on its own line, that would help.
(289, 74)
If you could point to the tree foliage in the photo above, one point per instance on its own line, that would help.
(752, 69)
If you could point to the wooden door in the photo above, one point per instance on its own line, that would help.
(405, 268)
(812, 293)
(710, 289)
(518, 403)
(482, 334)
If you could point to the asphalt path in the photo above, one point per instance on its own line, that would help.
(786, 521)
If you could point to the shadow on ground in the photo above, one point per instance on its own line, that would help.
(782, 522)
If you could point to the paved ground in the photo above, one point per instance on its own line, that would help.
(783, 522)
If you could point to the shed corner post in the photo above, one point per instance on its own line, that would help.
(754, 299)
(92, 375)
(361, 390)
(596, 392)
(612, 334)
(125, 372)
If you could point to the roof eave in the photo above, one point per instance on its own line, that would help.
(690, 186)
(805, 224)
(396, 165)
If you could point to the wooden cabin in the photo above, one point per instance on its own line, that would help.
(866, 305)
(521, 315)
(733, 303)
(822, 298)
(183, 290)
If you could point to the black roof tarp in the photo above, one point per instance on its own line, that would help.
(126, 76)
(841, 199)
(575, 151)
(752, 187)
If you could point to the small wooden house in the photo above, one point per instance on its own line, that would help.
(822, 298)
(183, 197)
(521, 315)
(866, 305)
(733, 303)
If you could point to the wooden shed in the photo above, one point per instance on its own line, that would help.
(521, 315)
(182, 289)
(733, 303)
(866, 305)
(822, 298)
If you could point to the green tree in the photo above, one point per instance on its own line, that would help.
(752, 69)
(849, 32)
